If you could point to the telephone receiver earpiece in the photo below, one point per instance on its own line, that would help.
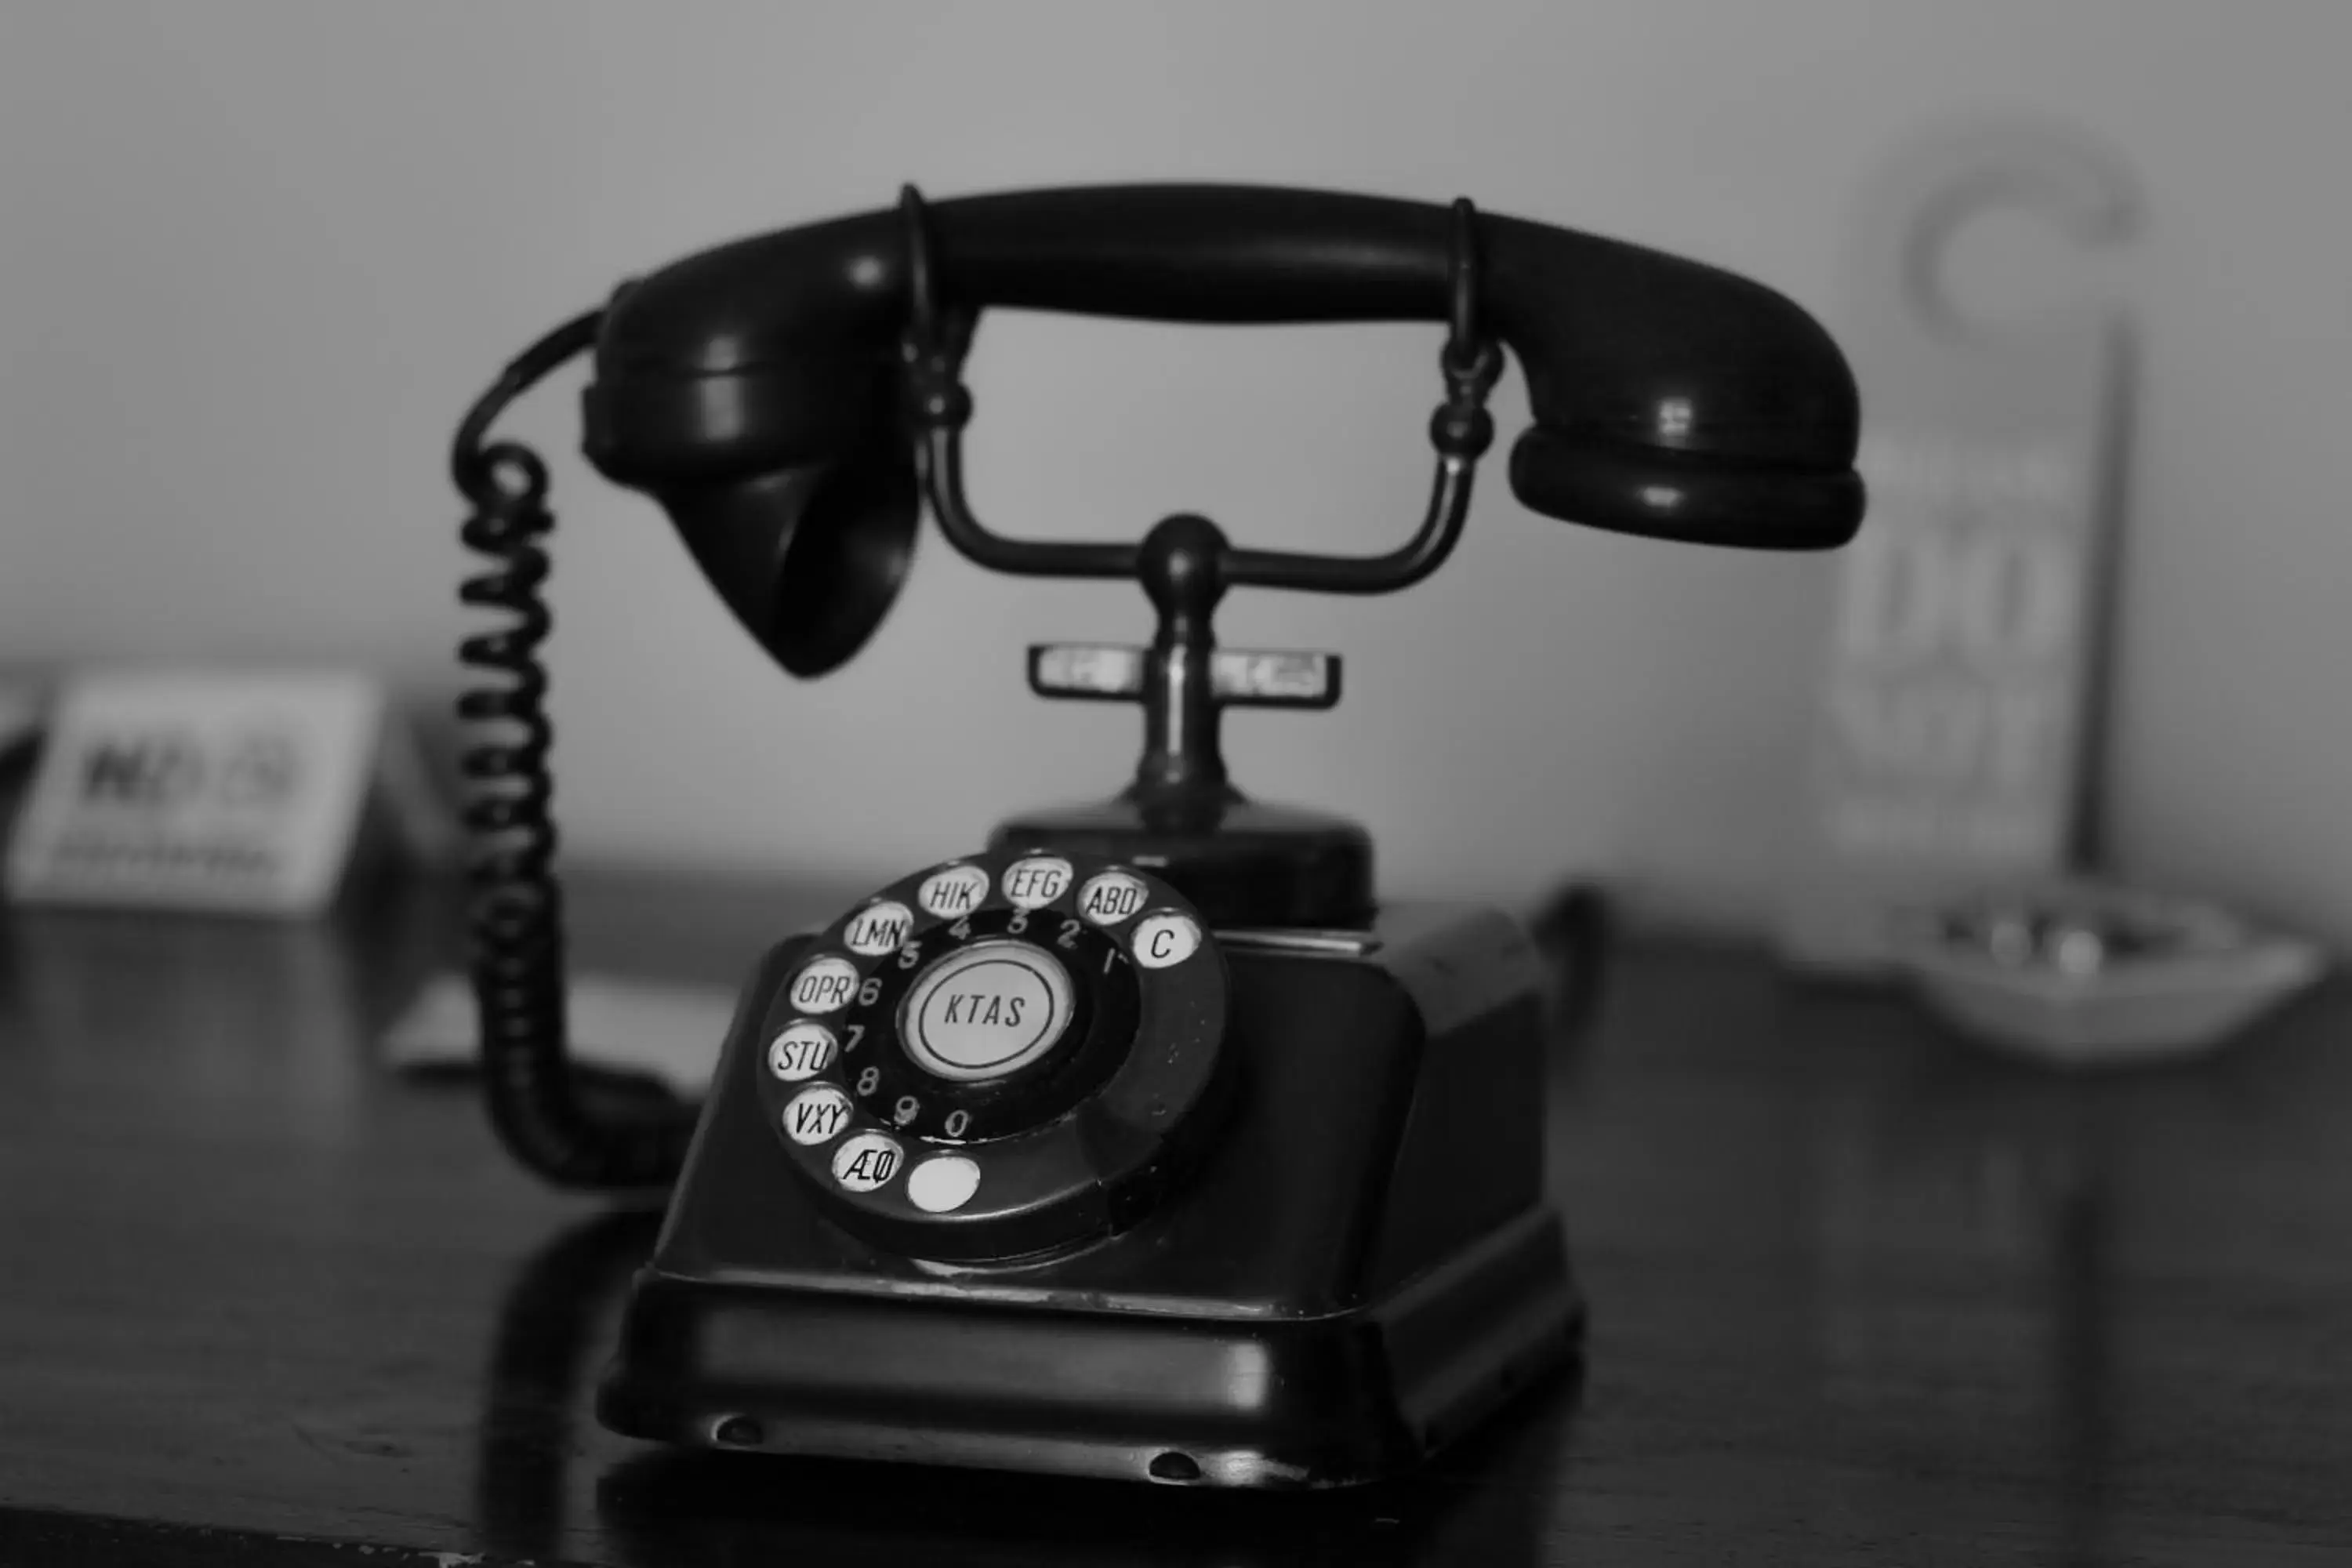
(759, 390)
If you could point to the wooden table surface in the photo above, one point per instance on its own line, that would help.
(1860, 1293)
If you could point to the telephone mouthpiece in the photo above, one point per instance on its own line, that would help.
(809, 559)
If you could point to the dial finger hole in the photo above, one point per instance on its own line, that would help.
(1112, 897)
(817, 1115)
(878, 928)
(801, 1051)
(1164, 939)
(1034, 883)
(866, 1162)
(824, 986)
(943, 1184)
(953, 891)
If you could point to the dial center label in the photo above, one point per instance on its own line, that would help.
(986, 1010)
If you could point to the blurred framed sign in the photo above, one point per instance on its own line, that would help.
(236, 793)
(1959, 707)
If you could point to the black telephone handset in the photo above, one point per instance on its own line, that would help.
(1146, 1142)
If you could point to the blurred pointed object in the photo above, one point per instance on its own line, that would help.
(1571, 929)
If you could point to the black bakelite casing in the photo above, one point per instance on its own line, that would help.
(1359, 1265)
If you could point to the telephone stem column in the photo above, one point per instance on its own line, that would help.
(1183, 571)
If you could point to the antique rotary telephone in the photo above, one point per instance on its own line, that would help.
(1148, 1142)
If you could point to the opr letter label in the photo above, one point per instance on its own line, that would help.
(825, 987)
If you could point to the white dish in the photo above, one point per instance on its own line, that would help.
(2182, 979)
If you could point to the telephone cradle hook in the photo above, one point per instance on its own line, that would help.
(1244, 862)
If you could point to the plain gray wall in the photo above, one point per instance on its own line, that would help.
(255, 258)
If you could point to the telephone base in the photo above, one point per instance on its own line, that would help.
(1361, 1263)
(1171, 1397)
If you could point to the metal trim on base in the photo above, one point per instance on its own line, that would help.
(1170, 1397)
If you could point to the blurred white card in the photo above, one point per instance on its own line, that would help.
(235, 791)
(670, 1032)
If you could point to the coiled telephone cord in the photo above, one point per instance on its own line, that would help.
(516, 904)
